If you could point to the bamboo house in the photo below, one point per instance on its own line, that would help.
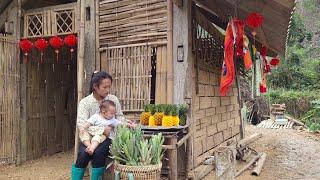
(158, 51)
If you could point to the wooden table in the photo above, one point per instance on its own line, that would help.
(176, 136)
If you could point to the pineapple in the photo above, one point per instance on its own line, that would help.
(144, 118)
(167, 118)
(175, 115)
(151, 118)
(183, 108)
(159, 114)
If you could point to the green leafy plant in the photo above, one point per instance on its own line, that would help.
(130, 148)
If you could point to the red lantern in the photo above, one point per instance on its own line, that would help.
(254, 20)
(71, 42)
(56, 43)
(263, 89)
(25, 45)
(41, 44)
(274, 61)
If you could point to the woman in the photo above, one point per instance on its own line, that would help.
(100, 86)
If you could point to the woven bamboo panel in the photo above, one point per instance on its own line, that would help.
(9, 99)
(131, 69)
(132, 21)
(51, 103)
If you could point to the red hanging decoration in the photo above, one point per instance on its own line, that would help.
(263, 51)
(41, 44)
(56, 43)
(274, 61)
(263, 88)
(71, 42)
(25, 45)
(254, 20)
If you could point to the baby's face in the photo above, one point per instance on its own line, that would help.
(109, 113)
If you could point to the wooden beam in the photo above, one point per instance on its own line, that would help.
(169, 52)
(179, 3)
(209, 27)
(80, 71)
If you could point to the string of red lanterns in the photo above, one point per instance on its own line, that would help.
(42, 44)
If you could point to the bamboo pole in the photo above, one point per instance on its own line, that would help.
(257, 170)
(19, 138)
(253, 160)
(80, 69)
(169, 53)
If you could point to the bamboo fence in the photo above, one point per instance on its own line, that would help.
(9, 99)
(129, 22)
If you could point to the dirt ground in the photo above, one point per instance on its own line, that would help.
(290, 155)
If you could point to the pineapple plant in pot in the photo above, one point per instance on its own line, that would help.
(175, 115)
(167, 117)
(144, 117)
(137, 156)
(183, 108)
(159, 114)
(151, 118)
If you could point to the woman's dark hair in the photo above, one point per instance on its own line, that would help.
(97, 78)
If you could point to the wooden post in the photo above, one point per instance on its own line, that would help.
(173, 162)
(169, 52)
(80, 70)
(19, 138)
(225, 163)
(97, 13)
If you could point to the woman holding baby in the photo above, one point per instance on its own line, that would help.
(100, 87)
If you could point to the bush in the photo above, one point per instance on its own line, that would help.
(298, 103)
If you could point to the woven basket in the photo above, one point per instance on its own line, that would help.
(152, 172)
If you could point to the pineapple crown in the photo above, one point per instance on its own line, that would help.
(152, 109)
(183, 108)
(175, 110)
(147, 108)
(168, 110)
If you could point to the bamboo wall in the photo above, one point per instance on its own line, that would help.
(132, 21)
(9, 99)
(132, 41)
(51, 103)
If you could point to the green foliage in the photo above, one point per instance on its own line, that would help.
(130, 148)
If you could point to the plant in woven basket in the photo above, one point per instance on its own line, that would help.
(159, 114)
(183, 108)
(151, 118)
(144, 117)
(124, 148)
(167, 118)
(156, 148)
(129, 148)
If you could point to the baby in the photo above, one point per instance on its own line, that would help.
(90, 136)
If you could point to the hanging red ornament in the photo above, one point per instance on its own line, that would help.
(71, 42)
(263, 51)
(263, 89)
(274, 61)
(41, 44)
(25, 45)
(254, 20)
(267, 68)
(56, 43)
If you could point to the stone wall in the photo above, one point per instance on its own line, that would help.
(216, 118)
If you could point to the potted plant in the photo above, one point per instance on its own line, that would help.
(137, 156)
